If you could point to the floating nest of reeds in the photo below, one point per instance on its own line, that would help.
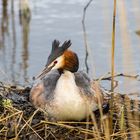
(19, 120)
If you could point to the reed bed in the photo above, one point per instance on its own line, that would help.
(20, 120)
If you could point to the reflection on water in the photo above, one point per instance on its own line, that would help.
(4, 29)
(4, 22)
(14, 42)
(25, 16)
(25, 42)
(9, 15)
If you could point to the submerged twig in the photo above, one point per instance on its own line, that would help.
(85, 34)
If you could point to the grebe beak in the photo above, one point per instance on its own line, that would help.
(44, 72)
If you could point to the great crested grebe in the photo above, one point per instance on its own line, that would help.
(61, 90)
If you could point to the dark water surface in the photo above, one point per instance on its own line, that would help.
(27, 29)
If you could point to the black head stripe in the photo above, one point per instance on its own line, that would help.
(57, 50)
(55, 44)
(66, 45)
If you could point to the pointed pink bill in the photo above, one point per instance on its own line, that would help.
(43, 72)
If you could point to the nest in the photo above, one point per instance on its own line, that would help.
(20, 120)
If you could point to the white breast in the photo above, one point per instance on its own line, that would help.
(69, 104)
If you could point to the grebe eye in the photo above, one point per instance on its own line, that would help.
(55, 62)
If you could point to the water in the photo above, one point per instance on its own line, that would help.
(26, 36)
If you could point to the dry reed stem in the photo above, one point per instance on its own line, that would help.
(29, 120)
(34, 131)
(82, 130)
(113, 47)
(15, 114)
(112, 67)
(96, 132)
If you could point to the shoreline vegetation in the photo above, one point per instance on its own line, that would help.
(20, 120)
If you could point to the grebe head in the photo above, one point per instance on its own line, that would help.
(61, 58)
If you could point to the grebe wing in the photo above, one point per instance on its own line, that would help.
(45, 87)
(50, 81)
(83, 82)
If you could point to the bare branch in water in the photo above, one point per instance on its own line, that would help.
(109, 77)
(85, 34)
